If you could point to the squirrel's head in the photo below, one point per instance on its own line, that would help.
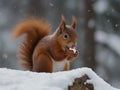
(66, 34)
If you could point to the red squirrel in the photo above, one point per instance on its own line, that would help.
(41, 51)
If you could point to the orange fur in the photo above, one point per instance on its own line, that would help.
(40, 50)
(35, 30)
(67, 66)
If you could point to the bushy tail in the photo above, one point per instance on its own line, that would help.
(35, 30)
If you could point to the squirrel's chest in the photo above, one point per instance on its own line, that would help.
(59, 65)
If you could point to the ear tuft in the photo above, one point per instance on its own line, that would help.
(74, 22)
(63, 19)
(63, 23)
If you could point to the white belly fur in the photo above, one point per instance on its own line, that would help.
(59, 65)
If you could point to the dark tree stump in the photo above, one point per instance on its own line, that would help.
(79, 84)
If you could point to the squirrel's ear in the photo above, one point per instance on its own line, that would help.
(63, 23)
(74, 22)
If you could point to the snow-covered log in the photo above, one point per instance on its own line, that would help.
(78, 79)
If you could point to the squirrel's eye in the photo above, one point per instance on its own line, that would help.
(65, 36)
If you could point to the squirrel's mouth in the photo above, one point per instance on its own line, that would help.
(67, 48)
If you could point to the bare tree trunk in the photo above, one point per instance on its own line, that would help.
(89, 53)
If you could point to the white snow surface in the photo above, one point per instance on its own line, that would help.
(26, 80)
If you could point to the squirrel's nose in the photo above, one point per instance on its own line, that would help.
(74, 44)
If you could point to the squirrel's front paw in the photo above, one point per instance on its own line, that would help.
(76, 53)
(72, 51)
(70, 58)
(69, 52)
(72, 54)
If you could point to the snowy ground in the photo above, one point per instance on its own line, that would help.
(25, 80)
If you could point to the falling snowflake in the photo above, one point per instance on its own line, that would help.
(5, 56)
(108, 20)
(116, 25)
(51, 4)
(91, 23)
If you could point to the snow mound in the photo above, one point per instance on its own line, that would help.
(26, 80)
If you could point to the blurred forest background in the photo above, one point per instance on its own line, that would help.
(98, 27)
